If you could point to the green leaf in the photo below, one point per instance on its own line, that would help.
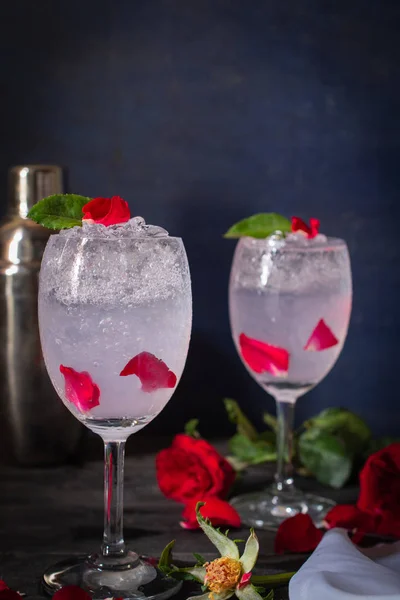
(224, 545)
(270, 595)
(349, 426)
(271, 421)
(252, 453)
(326, 456)
(236, 416)
(250, 554)
(200, 559)
(166, 555)
(60, 211)
(272, 580)
(191, 428)
(259, 226)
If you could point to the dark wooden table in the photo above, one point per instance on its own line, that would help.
(48, 514)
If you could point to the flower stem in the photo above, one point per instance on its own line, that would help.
(272, 580)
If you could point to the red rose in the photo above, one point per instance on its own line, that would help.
(380, 482)
(378, 506)
(192, 468)
(218, 512)
(107, 211)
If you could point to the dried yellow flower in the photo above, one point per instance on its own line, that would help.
(222, 574)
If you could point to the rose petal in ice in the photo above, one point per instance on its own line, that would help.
(152, 372)
(261, 357)
(321, 338)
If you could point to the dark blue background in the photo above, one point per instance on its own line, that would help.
(201, 112)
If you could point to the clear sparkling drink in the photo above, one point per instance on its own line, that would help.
(115, 319)
(295, 303)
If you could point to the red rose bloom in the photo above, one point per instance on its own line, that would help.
(192, 468)
(107, 211)
(380, 482)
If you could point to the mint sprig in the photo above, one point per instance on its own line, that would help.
(259, 226)
(60, 211)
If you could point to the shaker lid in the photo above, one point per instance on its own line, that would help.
(28, 184)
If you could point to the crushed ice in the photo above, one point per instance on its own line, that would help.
(300, 239)
(135, 227)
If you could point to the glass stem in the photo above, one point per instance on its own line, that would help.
(284, 444)
(113, 537)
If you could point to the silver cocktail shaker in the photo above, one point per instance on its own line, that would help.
(35, 426)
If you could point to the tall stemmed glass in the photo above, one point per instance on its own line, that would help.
(115, 313)
(290, 305)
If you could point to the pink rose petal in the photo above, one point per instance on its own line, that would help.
(245, 580)
(261, 357)
(80, 389)
(152, 372)
(321, 338)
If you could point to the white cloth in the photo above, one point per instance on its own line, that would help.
(338, 570)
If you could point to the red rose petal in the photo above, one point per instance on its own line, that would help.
(245, 580)
(321, 338)
(350, 517)
(3, 585)
(261, 357)
(152, 372)
(297, 534)
(7, 594)
(71, 592)
(388, 524)
(314, 226)
(218, 511)
(311, 231)
(107, 211)
(191, 468)
(80, 389)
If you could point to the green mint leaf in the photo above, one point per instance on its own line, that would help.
(326, 456)
(61, 211)
(236, 416)
(252, 453)
(259, 226)
(166, 555)
(191, 428)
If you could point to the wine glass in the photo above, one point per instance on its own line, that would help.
(115, 312)
(290, 304)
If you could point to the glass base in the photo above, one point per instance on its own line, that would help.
(267, 509)
(127, 577)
